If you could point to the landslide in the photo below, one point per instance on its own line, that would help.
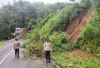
(75, 27)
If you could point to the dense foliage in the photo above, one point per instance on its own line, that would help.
(50, 21)
(22, 14)
(52, 27)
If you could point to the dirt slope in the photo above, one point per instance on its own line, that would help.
(74, 29)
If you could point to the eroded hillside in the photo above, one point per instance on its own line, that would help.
(75, 27)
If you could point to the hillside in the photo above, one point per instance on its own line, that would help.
(75, 27)
(89, 40)
(81, 31)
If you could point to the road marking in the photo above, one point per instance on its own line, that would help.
(5, 57)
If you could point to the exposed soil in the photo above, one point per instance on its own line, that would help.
(81, 53)
(74, 29)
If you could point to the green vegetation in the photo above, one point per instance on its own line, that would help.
(65, 60)
(22, 14)
(2, 43)
(90, 38)
(50, 22)
(52, 27)
(59, 40)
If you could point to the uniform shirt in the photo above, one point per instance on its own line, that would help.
(17, 45)
(47, 46)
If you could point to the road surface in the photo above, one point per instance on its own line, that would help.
(8, 60)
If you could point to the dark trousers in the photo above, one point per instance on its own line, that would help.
(17, 53)
(47, 54)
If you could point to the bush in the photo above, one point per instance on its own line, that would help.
(58, 38)
(34, 50)
(67, 47)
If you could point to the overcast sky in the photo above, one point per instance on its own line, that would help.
(4, 2)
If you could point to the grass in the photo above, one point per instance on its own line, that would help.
(2, 43)
(65, 60)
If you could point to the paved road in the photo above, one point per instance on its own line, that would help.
(8, 60)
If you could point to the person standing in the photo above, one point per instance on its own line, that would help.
(17, 33)
(17, 45)
(47, 49)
